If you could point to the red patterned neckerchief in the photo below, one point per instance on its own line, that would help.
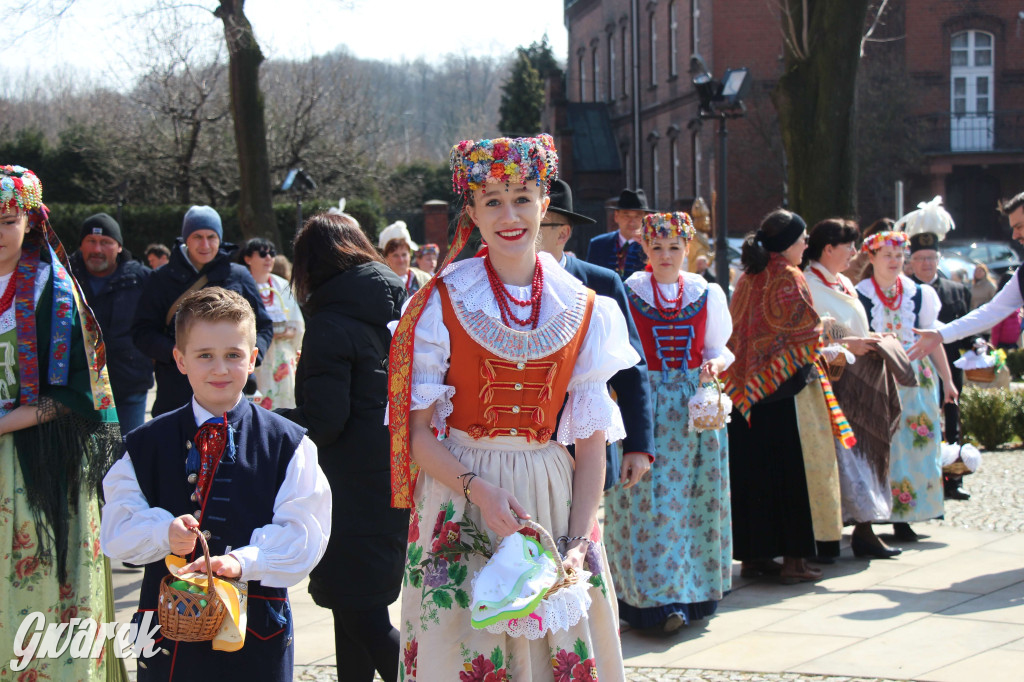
(403, 469)
(211, 441)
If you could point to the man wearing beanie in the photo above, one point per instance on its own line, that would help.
(113, 283)
(199, 258)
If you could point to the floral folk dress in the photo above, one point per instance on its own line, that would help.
(669, 536)
(275, 377)
(438, 642)
(30, 583)
(915, 470)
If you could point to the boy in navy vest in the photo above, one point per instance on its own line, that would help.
(245, 476)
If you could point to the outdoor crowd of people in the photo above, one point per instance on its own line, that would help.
(394, 427)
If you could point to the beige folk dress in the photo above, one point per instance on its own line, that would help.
(504, 388)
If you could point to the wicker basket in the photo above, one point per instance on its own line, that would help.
(566, 577)
(836, 367)
(181, 616)
(712, 422)
(984, 375)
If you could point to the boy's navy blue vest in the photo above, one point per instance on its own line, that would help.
(241, 499)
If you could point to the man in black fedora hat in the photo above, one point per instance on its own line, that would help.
(630, 385)
(621, 251)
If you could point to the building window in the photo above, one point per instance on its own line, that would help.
(673, 40)
(595, 73)
(695, 26)
(652, 31)
(697, 159)
(655, 171)
(674, 151)
(625, 79)
(611, 66)
(581, 68)
(971, 79)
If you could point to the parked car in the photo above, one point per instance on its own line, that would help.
(999, 256)
(951, 262)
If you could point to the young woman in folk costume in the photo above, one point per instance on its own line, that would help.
(895, 304)
(485, 354)
(58, 436)
(669, 539)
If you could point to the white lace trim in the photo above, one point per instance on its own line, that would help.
(467, 283)
(590, 409)
(880, 315)
(560, 611)
(423, 395)
(693, 287)
(8, 318)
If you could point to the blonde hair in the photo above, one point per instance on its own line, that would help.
(213, 304)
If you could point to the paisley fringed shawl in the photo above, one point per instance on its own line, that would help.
(775, 332)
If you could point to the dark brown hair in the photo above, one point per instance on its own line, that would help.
(753, 256)
(395, 244)
(213, 304)
(327, 244)
(1008, 206)
(829, 232)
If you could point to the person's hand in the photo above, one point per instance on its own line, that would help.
(860, 346)
(288, 333)
(951, 394)
(709, 370)
(500, 508)
(225, 565)
(180, 534)
(634, 466)
(574, 556)
(929, 340)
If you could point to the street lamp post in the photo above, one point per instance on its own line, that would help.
(300, 182)
(720, 100)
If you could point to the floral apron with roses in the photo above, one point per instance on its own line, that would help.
(915, 470)
(28, 583)
(438, 642)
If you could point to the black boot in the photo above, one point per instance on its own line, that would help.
(953, 488)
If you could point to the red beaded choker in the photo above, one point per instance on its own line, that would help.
(504, 298)
(891, 302)
(674, 305)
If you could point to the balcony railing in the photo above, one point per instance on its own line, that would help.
(997, 131)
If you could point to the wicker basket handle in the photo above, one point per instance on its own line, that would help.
(549, 544)
(206, 554)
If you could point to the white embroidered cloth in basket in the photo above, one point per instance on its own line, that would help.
(511, 593)
(707, 403)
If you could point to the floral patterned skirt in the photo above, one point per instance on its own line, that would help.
(915, 469)
(275, 377)
(438, 642)
(669, 537)
(29, 584)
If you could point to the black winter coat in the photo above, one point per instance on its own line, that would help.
(130, 370)
(341, 392)
(155, 338)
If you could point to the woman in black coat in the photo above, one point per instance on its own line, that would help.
(348, 296)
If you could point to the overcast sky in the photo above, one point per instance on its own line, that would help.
(94, 37)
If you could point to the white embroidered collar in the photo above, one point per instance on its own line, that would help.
(694, 286)
(879, 312)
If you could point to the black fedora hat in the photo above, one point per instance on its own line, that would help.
(561, 203)
(630, 200)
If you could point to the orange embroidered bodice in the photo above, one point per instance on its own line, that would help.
(496, 396)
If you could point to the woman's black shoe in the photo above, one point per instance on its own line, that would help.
(902, 532)
(862, 548)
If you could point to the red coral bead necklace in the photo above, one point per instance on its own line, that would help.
(891, 302)
(8, 297)
(672, 305)
(506, 300)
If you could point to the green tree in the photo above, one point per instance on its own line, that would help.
(522, 99)
(816, 101)
(543, 59)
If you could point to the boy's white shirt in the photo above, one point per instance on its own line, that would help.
(280, 554)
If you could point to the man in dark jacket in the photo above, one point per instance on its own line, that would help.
(630, 385)
(956, 302)
(199, 259)
(113, 283)
(620, 250)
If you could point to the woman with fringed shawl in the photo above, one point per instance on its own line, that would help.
(59, 436)
(785, 480)
(485, 353)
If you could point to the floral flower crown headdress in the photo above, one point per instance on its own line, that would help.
(678, 224)
(20, 189)
(888, 238)
(508, 160)
(429, 248)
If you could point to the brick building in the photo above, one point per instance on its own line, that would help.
(942, 93)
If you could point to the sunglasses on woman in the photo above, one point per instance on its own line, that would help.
(264, 253)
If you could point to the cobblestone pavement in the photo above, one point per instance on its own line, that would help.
(996, 504)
